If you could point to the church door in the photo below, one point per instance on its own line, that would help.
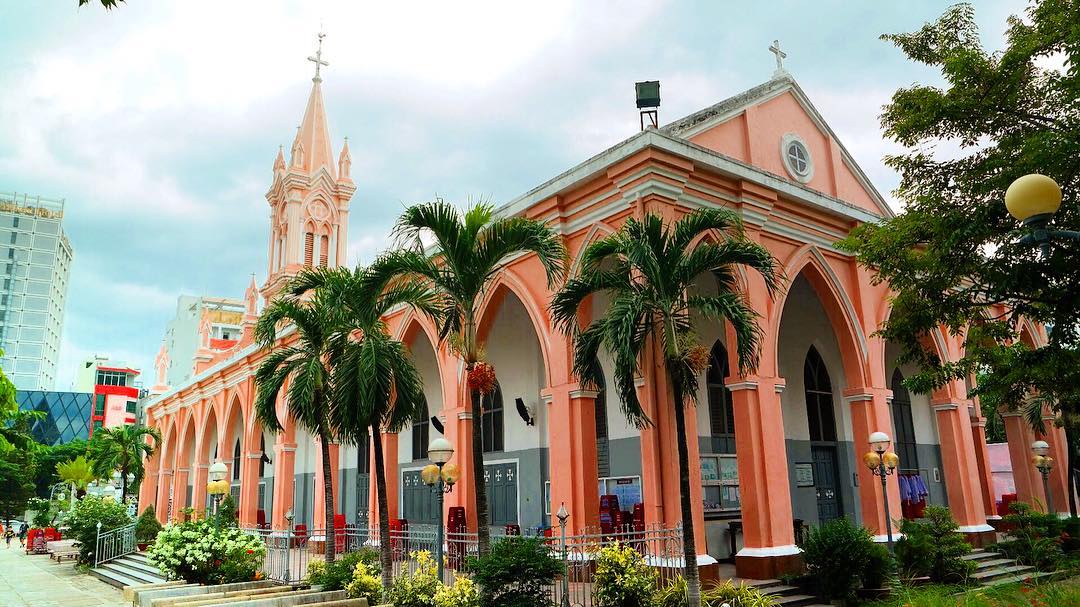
(821, 420)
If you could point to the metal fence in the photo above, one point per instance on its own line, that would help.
(290, 551)
(114, 543)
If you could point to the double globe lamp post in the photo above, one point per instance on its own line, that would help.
(1044, 463)
(882, 463)
(217, 486)
(442, 476)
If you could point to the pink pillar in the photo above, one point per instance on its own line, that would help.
(284, 479)
(1026, 479)
(768, 536)
(390, 462)
(180, 485)
(164, 495)
(870, 413)
(318, 518)
(961, 468)
(986, 473)
(571, 419)
(198, 489)
(149, 487)
(249, 488)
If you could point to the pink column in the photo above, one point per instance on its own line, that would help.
(986, 473)
(1059, 478)
(870, 413)
(768, 536)
(149, 487)
(1019, 436)
(284, 478)
(164, 488)
(571, 417)
(198, 489)
(962, 471)
(180, 484)
(249, 488)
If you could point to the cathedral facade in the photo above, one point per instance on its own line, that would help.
(775, 452)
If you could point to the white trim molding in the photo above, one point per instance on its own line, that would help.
(974, 528)
(584, 393)
(787, 140)
(787, 550)
(742, 385)
(880, 539)
(945, 407)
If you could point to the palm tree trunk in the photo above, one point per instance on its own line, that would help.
(693, 583)
(386, 557)
(328, 496)
(1070, 450)
(123, 483)
(483, 533)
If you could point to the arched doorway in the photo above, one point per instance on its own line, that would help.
(821, 420)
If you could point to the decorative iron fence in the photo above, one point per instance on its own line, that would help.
(114, 543)
(290, 551)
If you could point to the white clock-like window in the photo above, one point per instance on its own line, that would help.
(797, 158)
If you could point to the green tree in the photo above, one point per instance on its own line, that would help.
(78, 473)
(14, 424)
(465, 252)
(16, 482)
(301, 359)
(47, 458)
(123, 449)
(648, 270)
(376, 384)
(955, 258)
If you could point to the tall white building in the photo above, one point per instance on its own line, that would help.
(35, 265)
(214, 320)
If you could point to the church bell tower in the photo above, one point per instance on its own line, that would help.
(309, 198)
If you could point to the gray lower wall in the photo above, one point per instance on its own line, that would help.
(625, 454)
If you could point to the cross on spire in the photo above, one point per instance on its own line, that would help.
(780, 56)
(318, 60)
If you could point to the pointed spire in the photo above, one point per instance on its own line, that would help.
(314, 135)
(279, 162)
(251, 299)
(344, 162)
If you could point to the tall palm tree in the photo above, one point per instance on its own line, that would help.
(376, 385)
(648, 269)
(303, 362)
(123, 449)
(465, 252)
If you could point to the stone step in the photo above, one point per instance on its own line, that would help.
(999, 572)
(136, 556)
(140, 565)
(980, 565)
(780, 590)
(235, 597)
(135, 572)
(114, 578)
(131, 591)
(296, 598)
(795, 600)
(980, 555)
(761, 585)
(1032, 576)
(146, 598)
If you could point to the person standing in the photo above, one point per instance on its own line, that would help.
(8, 534)
(23, 530)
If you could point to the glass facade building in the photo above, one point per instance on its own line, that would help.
(67, 415)
(35, 265)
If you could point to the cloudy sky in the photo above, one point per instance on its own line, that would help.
(158, 122)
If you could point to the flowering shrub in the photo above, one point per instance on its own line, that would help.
(364, 584)
(337, 575)
(462, 594)
(83, 521)
(197, 553)
(622, 578)
(416, 589)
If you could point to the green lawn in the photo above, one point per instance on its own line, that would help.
(1053, 594)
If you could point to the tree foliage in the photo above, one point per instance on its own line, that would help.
(48, 456)
(955, 258)
(17, 469)
(123, 449)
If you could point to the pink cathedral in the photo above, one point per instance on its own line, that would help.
(775, 451)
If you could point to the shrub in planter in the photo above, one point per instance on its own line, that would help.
(836, 555)
(880, 568)
(622, 578)
(515, 573)
(736, 596)
(933, 547)
(83, 521)
(365, 583)
(147, 527)
(198, 553)
(463, 593)
(1034, 539)
(338, 574)
(416, 589)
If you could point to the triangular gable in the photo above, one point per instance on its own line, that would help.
(756, 125)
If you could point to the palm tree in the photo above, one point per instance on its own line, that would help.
(302, 361)
(466, 250)
(376, 384)
(79, 473)
(123, 449)
(648, 269)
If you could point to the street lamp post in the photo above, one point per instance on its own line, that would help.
(882, 463)
(1044, 463)
(288, 545)
(1033, 199)
(562, 515)
(442, 477)
(216, 487)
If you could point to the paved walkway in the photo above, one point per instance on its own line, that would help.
(41, 582)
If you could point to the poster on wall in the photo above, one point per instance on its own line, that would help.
(710, 470)
(804, 475)
(627, 489)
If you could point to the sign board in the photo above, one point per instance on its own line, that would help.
(804, 475)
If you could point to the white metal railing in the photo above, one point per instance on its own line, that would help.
(114, 543)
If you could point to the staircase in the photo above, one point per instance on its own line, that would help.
(993, 569)
(128, 570)
(785, 596)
